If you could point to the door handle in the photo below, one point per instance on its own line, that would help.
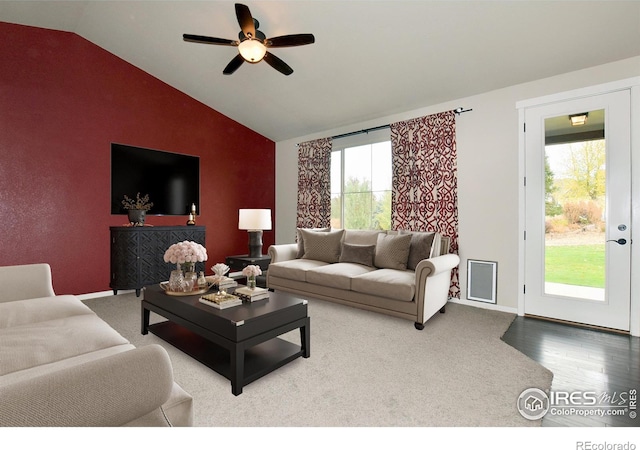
(620, 241)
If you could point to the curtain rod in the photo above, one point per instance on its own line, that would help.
(458, 111)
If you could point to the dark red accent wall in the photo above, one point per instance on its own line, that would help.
(63, 101)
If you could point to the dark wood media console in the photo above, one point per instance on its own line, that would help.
(137, 254)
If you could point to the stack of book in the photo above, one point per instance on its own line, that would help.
(221, 301)
(223, 283)
(250, 294)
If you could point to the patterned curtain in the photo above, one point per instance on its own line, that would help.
(425, 187)
(314, 184)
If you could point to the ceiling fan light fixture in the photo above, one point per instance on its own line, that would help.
(252, 43)
(578, 119)
(252, 50)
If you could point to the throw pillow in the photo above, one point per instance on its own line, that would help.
(420, 248)
(392, 251)
(359, 254)
(361, 237)
(322, 246)
(301, 239)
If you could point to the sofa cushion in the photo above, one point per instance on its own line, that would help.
(421, 247)
(322, 246)
(25, 281)
(40, 343)
(294, 269)
(392, 251)
(45, 369)
(109, 391)
(358, 254)
(21, 312)
(337, 275)
(391, 283)
(300, 238)
(362, 237)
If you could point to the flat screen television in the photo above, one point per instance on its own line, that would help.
(171, 180)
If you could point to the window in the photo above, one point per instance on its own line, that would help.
(361, 186)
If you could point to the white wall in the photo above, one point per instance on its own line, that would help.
(488, 180)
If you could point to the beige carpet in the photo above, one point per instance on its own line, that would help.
(365, 369)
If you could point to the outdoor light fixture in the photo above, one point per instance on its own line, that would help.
(252, 50)
(254, 221)
(578, 119)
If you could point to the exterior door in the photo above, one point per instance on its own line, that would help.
(578, 210)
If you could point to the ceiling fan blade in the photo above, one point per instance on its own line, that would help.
(207, 40)
(278, 64)
(291, 40)
(233, 65)
(245, 20)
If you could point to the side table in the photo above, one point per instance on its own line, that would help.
(238, 262)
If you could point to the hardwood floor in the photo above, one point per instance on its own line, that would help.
(581, 360)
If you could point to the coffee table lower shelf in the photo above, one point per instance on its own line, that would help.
(259, 360)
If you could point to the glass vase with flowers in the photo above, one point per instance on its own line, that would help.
(251, 272)
(184, 255)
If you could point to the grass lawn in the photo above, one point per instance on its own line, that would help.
(578, 265)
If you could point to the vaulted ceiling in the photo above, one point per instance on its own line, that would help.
(371, 58)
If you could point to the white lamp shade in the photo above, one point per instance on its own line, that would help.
(254, 219)
(252, 50)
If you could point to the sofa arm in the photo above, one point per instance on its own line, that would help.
(433, 266)
(106, 392)
(25, 281)
(283, 252)
(433, 279)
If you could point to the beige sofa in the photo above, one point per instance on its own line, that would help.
(402, 274)
(61, 365)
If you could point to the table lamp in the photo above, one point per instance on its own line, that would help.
(254, 221)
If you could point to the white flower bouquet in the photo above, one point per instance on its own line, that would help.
(252, 271)
(185, 252)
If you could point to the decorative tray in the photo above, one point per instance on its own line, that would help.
(165, 287)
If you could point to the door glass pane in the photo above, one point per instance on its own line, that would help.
(574, 204)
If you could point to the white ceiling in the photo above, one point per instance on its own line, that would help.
(371, 58)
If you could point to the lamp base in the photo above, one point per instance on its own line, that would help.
(255, 243)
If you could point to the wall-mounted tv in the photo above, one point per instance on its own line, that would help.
(171, 180)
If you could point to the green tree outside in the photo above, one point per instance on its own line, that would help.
(382, 212)
(551, 206)
(585, 171)
(363, 209)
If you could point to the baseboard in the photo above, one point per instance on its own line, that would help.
(483, 305)
(101, 294)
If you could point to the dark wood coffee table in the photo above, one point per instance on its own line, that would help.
(241, 342)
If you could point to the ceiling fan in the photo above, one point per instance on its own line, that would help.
(252, 43)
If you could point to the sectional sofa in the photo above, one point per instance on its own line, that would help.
(400, 273)
(63, 366)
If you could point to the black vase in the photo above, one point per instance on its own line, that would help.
(137, 216)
